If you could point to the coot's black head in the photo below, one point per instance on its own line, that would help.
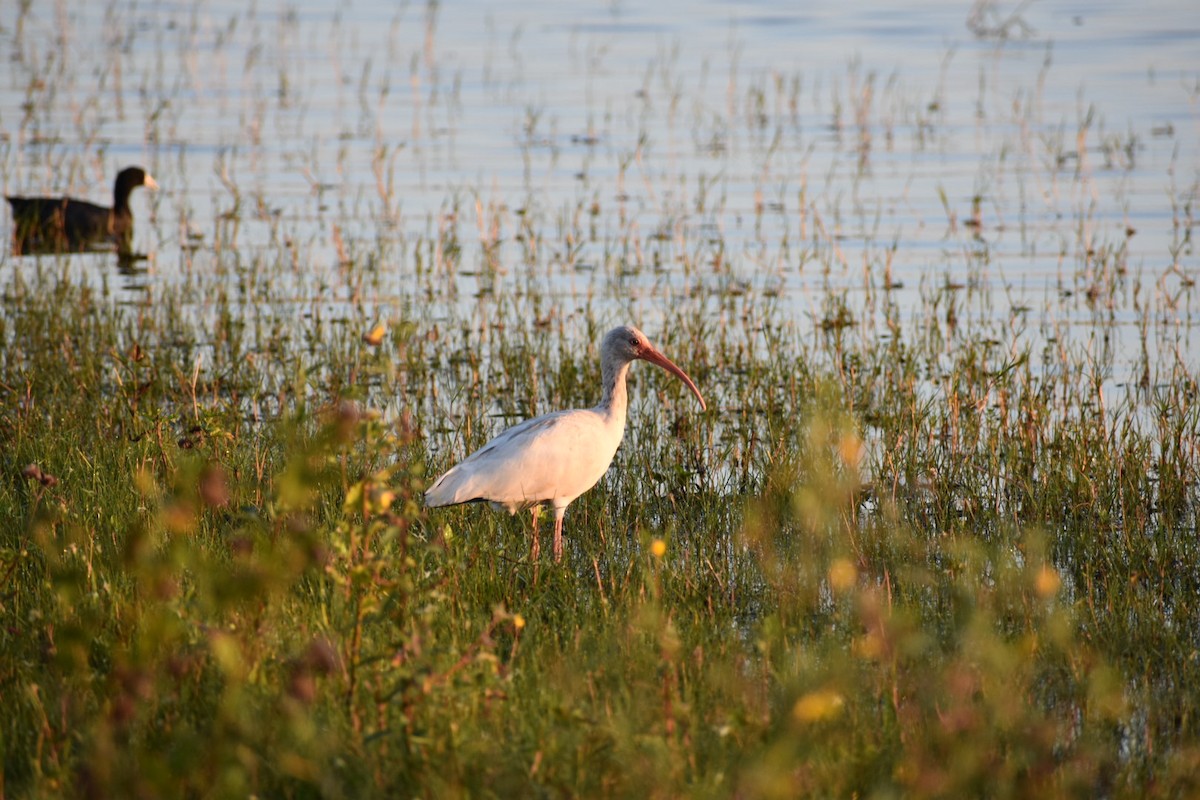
(129, 179)
(132, 177)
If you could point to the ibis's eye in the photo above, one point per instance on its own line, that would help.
(633, 343)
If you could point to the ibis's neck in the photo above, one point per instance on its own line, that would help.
(614, 401)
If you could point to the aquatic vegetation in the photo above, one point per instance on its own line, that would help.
(847, 578)
(934, 536)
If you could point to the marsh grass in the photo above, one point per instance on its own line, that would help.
(935, 537)
(879, 566)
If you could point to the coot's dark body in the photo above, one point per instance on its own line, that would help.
(56, 224)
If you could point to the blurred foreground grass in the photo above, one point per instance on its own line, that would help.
(885, 568)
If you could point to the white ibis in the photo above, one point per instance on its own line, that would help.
(556, 457)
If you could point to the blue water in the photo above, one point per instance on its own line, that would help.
(632, 157)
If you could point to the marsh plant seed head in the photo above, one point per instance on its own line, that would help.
(321, 656)
(34, 473)
(214, 487)
(819, 705)
(852, 451)
(1047, 582)
(518, 621)
(842, 575)
(374, 337)
(384, 499)
(658, 548)
(868, 647)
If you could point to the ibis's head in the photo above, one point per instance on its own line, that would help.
(627, 343)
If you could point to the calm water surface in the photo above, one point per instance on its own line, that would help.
(1036, 165)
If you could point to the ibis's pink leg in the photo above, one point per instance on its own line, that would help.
(558, 523)
(536, 549)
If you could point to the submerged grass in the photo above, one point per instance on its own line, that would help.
(915, 564)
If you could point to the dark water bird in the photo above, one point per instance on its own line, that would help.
(556, 457)
(60, 224)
